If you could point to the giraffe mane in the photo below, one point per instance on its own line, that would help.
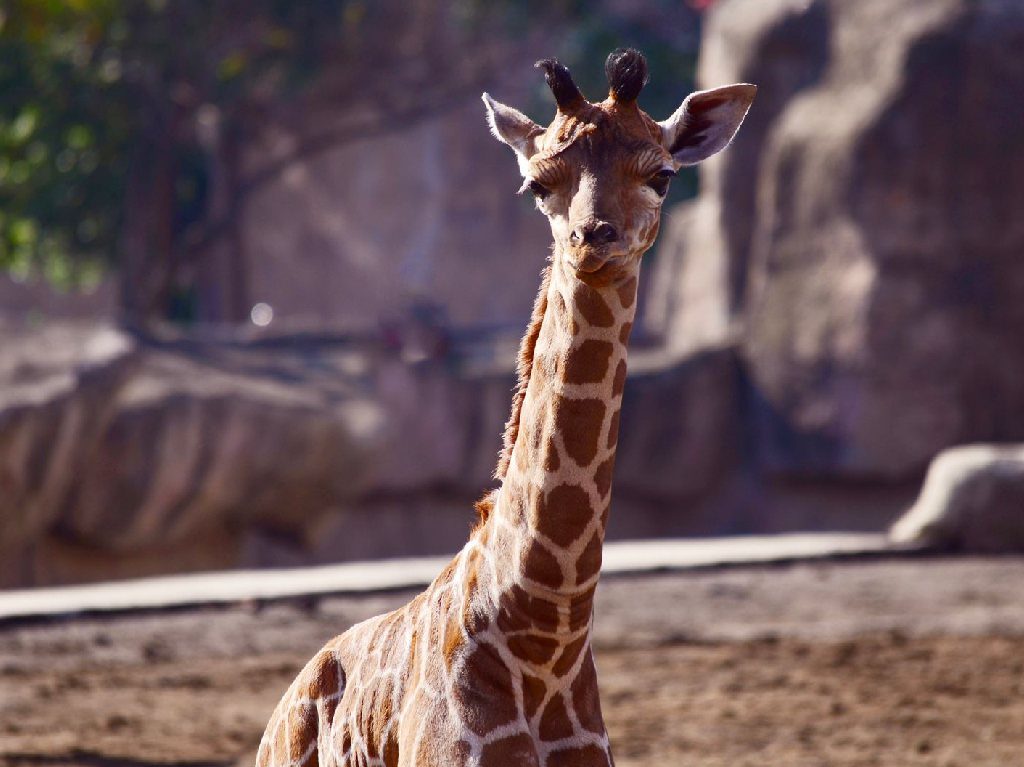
(524, 367)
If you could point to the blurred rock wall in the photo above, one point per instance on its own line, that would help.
(125, 457)
(863, 237)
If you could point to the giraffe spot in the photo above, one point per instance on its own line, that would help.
(585, 700)
(593, 307)
(624, 331)
(513, 614)
(391, 749)
(545, 614)
(586, 756)
(579, 421)
(562, 516)
(474, 620)
(603, 476)
(389, 637)
(325, 675)
(555, 724)
(588, 362)
(485, 691)
(515, 749)
(551, 459)
(379, 715)
(531, 648)
(542, 567)
(453, 640)
(568, 657)
(580, 610)
(613, 429)
(589, 561)
(627, 292)
(533, 694)
(562, 316)
(301, 729)
(620, 379)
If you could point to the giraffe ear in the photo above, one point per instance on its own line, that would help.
(706, 122)
(512, 127)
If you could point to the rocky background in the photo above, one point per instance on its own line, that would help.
(841, 302)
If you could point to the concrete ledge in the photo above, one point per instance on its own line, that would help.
(620, 557)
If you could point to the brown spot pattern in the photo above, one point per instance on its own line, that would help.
(588, 362)
(585, 700)
(579, 422)
(568, 657)
(589, 561)
(580, 610)
(587, 756)
(620, 379)
(533, 648)
(624, 331)
(565, 512)
(555, 724)
(627, 292)
(453, 640)
(613, 429)
(515, 749)
(485, 691)
(551, 459)
(533, 694)
(603, 476)
(542, 567)
(593, 307)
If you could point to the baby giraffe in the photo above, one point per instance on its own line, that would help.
(492, 664)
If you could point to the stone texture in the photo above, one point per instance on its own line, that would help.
(121, 449)
(681, 427)
(972, 500)
(885, 318)
(700, 273)
(862, 235)
(121, 457)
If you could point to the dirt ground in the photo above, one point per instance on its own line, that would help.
(900, 663)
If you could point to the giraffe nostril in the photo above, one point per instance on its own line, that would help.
(595, 233)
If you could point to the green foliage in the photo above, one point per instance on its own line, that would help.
(63, 131)
(88, 86)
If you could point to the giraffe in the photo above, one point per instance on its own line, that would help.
(492, 665)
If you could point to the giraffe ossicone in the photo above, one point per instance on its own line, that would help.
(491, 665)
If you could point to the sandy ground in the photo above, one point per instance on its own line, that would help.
(902, 663)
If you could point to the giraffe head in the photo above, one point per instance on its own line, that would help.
(600, 171)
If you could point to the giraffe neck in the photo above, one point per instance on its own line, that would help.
(552, 508)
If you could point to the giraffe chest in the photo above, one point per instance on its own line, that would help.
(482, 706)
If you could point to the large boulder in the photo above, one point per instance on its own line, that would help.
(885, 317)
(148, 451)
(700, 273)
(972, 500)
(863, 233)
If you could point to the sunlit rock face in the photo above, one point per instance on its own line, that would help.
(972, 500)
(863, 235)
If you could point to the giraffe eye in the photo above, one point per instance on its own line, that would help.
(660, 180)
(537, 190)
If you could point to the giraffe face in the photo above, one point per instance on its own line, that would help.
(600, 171)
(600, 178)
